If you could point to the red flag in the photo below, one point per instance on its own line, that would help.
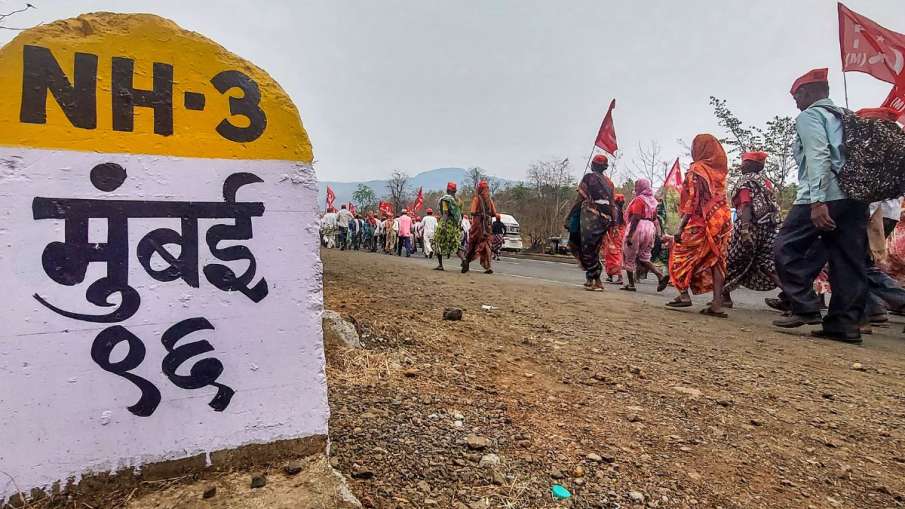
(869, 48)
(674, 177)
(386, 208)
(419, 200)
(896, 98)
(606, 136)
(331, 197)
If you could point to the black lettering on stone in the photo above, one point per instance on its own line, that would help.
(204, 372)
(126, 97)
(103, 346)
(41, 72)
(246, 106)
(193, 101)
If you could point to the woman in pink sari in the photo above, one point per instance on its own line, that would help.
(643, 230)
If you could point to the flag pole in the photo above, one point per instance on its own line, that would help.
(588, 164)
(845, 86)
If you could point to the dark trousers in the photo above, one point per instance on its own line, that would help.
(343, 238)
(884, 291)
(802, 250)
(404, 244)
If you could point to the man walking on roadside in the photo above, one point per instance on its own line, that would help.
(354, 232)
(428, 229)
(405, 234)
(823, 225)
(342, 222)
(328, 229)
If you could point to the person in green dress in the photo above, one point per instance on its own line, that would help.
(449, 231)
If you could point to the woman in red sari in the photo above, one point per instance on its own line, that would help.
(480, 234)
(698, 259)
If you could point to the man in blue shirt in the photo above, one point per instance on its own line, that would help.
(823, 224)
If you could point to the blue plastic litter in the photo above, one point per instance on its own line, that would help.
(559, 492)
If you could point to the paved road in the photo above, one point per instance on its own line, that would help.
(564, 273)
(749, 310)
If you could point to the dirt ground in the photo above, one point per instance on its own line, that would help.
(612, 396)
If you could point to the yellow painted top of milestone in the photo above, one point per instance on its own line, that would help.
(156, 88)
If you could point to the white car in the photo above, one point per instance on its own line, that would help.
(512, 240)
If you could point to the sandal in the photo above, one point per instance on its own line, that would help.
(726, 304)
(628, 288)
(664, 282)
(679, 303)
(708, 311)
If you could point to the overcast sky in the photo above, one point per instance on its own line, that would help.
(421, 84)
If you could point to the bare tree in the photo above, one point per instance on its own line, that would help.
(398, 190)
(649, 163)
(5, 15)
(473, 176)
(618, 170)
(554, 186)
(496, 184)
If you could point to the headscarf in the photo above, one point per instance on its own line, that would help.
(483, 187)
(645, 194)
(710, 163)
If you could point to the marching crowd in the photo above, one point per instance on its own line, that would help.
(828, 243)
(478, 236)
(821, 244)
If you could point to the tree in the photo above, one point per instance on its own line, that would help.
(649, 165)
(554, 186)
(775, 138)
(3, 17)
(365, 198)
(473, 176)
(398, 190)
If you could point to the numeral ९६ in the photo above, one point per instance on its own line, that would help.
(203, 373)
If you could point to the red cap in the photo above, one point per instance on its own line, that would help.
(430, 211)
(812, 76)
(451, 186)
(483, 185)
(620, 198)
(882, 113)
(755, 156)
(600, 159)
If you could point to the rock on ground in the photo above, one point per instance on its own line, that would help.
(339, 332)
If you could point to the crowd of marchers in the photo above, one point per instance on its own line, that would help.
(829, 242)
(449, 232)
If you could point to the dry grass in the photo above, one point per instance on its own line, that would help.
(359, 367)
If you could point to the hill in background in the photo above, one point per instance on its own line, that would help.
(432, 180)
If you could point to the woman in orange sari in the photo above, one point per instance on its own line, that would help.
(612, 244)
(697, 261)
